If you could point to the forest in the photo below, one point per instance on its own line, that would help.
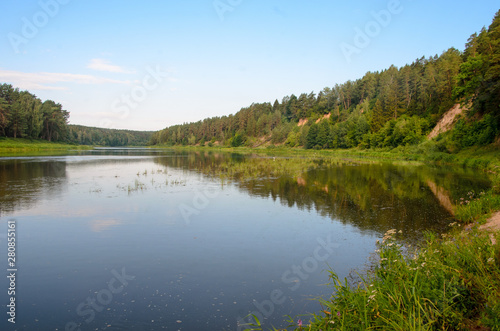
(388, 108)
(84, 135)
(23, 115)
(383, 109)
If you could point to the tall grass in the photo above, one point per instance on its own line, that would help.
(470, 210)
(453, 283)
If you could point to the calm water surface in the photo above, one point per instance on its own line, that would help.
(134, 239)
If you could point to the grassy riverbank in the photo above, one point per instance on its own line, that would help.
(449, 282)
(21, 145)
(484, 158)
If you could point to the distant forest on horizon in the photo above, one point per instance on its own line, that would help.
(23, 115)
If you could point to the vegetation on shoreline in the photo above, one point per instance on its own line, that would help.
(485, 158)
(396, 107)
(23, 115)
(84, 135)
(20, 145)
(449, 282)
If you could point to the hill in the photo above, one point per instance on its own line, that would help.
(388, 108)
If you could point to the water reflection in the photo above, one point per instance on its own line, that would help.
(24, 180)
(102, 225)
(83, 215)
(373, 197)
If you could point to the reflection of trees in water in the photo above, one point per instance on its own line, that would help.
(373, 197)
(23, 182)
(343, 197)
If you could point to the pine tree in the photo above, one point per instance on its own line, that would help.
(379, 116)
(4, 114)
(312, 135)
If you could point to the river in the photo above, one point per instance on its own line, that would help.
(142, 239)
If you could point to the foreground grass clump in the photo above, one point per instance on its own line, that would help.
(476, 208)
(451, 284)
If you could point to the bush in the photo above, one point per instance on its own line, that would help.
(237, 140)
(476, 133)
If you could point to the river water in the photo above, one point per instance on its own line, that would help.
(139, 239)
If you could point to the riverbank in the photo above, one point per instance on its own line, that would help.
(472, 208)
(451, 281)
(9, 146)
(493, 224)
(487, 158)
(463, 266)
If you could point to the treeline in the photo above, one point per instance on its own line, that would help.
(397, 106)
(84, 135)
(23, 115)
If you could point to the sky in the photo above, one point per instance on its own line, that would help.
(147, 65)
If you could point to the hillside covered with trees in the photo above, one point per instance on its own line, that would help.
(84, 135)
(23, 115)
(389, 108)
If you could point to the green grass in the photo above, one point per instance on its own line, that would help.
(452, 283)
(21, 145)
(483, 158)
(476, 208)
(448, 283)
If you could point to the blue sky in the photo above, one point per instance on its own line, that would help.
(151, 64)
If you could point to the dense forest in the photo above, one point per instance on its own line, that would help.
(393, 107)
(84, 135)
(23, 115)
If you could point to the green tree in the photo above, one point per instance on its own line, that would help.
(323, 134)
(34, 117)
(17, 119)
(379, 116)
(237, 140)
(4, 114)
(55, 121)
(479, 77)
(312, 135)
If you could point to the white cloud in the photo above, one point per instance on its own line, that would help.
(104, 65)
(50, 80)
